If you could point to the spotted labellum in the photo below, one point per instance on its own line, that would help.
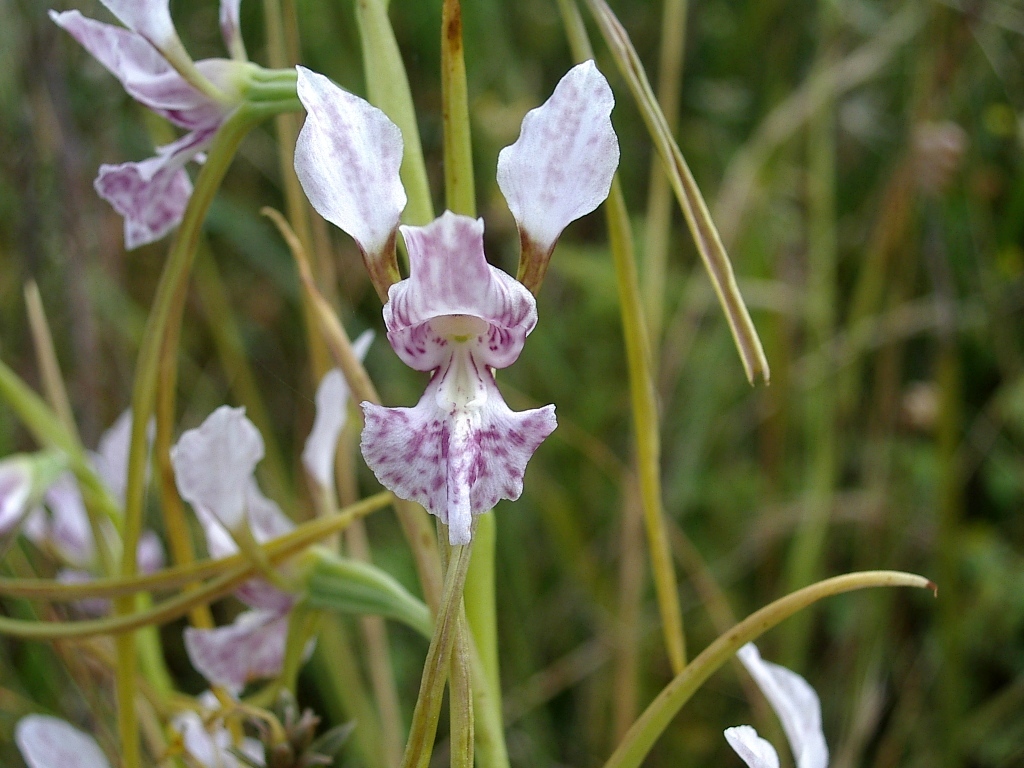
(460, 449)
(148, 58)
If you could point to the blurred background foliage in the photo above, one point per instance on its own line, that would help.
(863, 159)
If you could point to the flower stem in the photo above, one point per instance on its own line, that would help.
(641, 387)
(658, 222)
(387, 86)
(435, 668)
(646, 730)
(458, 149)
(170, 289)
(691, 201)
(646, 426)
(233, 572)
(175, 577)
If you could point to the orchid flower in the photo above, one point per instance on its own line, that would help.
(213, 467)
(15, 491)
(62, 528)
(460, 449)
(49, 742)
(150, 61)
(797, 707)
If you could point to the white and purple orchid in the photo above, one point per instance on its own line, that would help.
(49, 742)
(460, 449)
(797, 707)
(213, 467)
(60, 526)
(148, 58)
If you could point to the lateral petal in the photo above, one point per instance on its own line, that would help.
(250, 648)
(754, 751)
(213, 464)
(231, 28)
(331, 414)
(347, 158)
(141, 69)
(67, 530)
(561, 166)
(150, 18)
(49, 742)
(152, 194)
(796, 704)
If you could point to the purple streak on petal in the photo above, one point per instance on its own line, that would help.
(142, 70)
(796, 704)
(15, 489)
(347, 158)
(427, 454)
(150, 196)
(213, 464)
(752, 749)
(48, 742)
(449, 275)
(149, 18)
(562, 164)
(331, 415)
(250, 648)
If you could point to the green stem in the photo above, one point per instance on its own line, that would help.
(691, 201)
(175, 577)
(658, 224)
(387, 86)
(645, 425)
(458, 149)
(230, 576)
(646, 730)
(435, 668)
(481, 610)
(460, 694)
(175, 274)
(641, 387)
